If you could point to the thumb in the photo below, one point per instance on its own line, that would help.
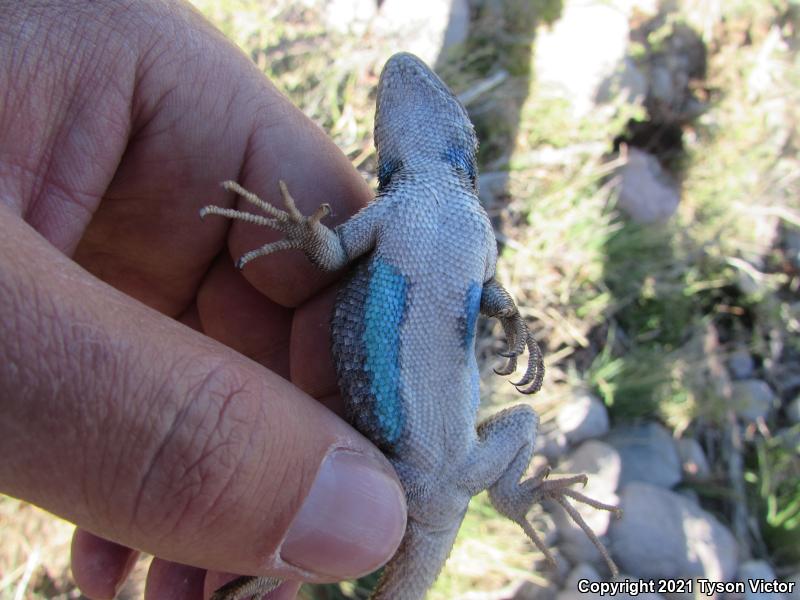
(149, 434)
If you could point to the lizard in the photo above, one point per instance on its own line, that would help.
(403, 330)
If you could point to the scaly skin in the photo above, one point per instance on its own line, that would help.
(403, 330)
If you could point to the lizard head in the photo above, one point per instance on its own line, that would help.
(420, 123)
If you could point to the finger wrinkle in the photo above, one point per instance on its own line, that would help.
(236, 469)
(271, 120)
(230, 452)
(57, 76)
(155, 486)
(152, 58)
(105, 374)
(46, 367)
(200, 450)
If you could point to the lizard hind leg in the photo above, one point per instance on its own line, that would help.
(499, 462)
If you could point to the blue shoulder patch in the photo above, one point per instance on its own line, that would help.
(472, 305)
(386, 170)
(384, 311)
(462, 160)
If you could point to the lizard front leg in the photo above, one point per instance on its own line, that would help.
(497, 302)
(505, 449)
(320, 244)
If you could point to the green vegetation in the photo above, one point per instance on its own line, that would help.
(775, 483)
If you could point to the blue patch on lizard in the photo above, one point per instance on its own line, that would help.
(472, 305)
(386, 170)
(383, 314)
(462, 160)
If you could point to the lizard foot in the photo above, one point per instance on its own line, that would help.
(302, 233)
(558, 490)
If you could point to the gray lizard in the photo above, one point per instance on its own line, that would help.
(403, 330)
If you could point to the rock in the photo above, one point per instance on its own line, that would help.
(664, 535)
(551, 444)
(791, 244)
(693, 459)
(757, 569)
(601, 463)
(690, 495)
(576, 76)
(793, 411)
(546, 526)
(425, 27)
(555, 576)
(582, 571)
(740, 364)
(582, 417)
(753, 399)
(528, 590)
(647, 193)
(648, 453)
(627, 82)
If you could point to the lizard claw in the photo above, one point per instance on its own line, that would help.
(497, 302)
(516, 331)
(510, 367)
(534, 374)
(515, 346)
(323, 210)
(518, 338)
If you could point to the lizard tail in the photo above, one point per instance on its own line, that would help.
(246, 587)
(416, 564)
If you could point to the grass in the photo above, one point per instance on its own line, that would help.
(775, 483)
(34, 552)
(643, 315)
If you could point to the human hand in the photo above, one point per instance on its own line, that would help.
(117, 121)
